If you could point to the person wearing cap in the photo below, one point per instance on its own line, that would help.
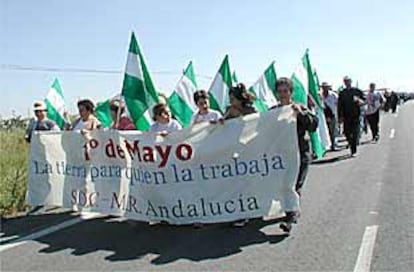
(121, 121)
(41, 123)
(204, 113)
(306, 123)
(241, 102)
(87, 119)
(375, 100)
(349, 111)
(330, 100)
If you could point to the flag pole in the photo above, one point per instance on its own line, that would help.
(118, 113)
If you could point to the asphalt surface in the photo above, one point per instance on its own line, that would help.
(342, 197)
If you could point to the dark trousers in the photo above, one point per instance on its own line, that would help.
(303, 171)
(351, 130)
(373, 121)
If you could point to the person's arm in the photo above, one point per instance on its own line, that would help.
(305, 117)
(340, 108)
(29, 130)
(308, 119)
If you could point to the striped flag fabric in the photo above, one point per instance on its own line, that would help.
(138, 88)
(181, 101)
(55, 103)
(265, 89)
(219, 89)
(304, 86)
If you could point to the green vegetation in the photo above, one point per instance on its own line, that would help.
(14, 152)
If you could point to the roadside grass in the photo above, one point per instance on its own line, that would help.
(14, 152)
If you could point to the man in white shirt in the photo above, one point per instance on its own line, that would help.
(374, 102)
(42, 123)
(330, 100)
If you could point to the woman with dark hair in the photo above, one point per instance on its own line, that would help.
(121, 121)
(204, 113)
(163, 124)
(306, 122)
(241, 102)
(87, 119)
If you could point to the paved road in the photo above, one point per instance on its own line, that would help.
(353, 209)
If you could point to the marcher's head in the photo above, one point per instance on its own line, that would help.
(284, 89)
(161, 113)
(201, 100)
(40, 110)
(86, 108)
(325, 88)
(347, 82)
(116, 105)
(240, 97)
(372, 87)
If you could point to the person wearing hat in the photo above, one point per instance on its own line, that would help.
(87, 119)
(41, 123)
(121, 121)
(330, 100)
(349, 111)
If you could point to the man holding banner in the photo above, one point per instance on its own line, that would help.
(306, 122)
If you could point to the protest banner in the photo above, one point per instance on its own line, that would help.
(206, 173)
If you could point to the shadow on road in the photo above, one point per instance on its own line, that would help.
(332, 160)
(19, 226)
(170, 243)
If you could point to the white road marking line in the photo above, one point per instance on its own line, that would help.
(392, 133)
(52, 229)
(366, 250)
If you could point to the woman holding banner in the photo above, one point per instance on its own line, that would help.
(163, 123)
(241, 102)
(87, 119)
(306, 122)
(204, 113)
(122, 122)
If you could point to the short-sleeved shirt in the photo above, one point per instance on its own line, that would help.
(211, 115)
(374, 100)
(44, 125)
(172, 126)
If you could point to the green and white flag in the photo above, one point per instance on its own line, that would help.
(265, 89)
(138, 89)
(219, 89)
(103, 113)
(323, 130)
(55, 103)
(304, 86)
(234, 77)
(181, 101)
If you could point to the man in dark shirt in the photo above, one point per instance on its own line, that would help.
(349, 104)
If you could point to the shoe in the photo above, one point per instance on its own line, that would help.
(240, 223)
(292, 217)
(286, 227)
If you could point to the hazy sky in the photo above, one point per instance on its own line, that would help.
(367, 40)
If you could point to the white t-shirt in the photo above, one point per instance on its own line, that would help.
(172, 126)
(331, 101)
(79, 125)
(211, 115)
